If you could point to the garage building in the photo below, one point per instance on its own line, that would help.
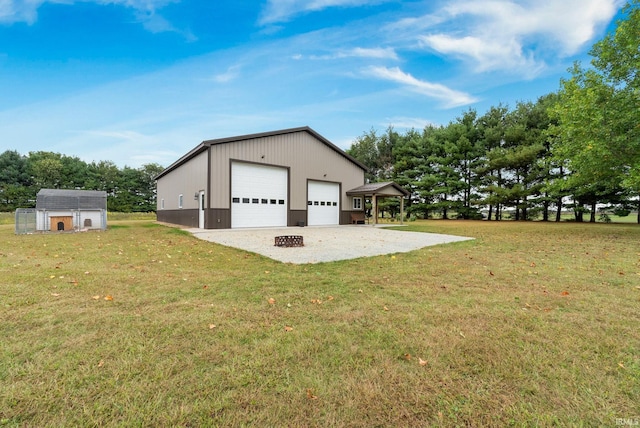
(291, 177)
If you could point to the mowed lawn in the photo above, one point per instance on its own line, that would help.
(145, 325)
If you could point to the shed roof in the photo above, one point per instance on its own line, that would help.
(68, 199)
(208, 143)
(385, 188)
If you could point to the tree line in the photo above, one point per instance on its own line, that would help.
(22, 176)
(573, 149)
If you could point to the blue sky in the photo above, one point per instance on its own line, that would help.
(141, 81)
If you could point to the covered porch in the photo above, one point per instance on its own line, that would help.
(375, 191)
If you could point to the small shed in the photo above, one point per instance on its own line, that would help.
(380, 190)
(60, 210)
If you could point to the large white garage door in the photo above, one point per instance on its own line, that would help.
(323, 204)
(258, 195)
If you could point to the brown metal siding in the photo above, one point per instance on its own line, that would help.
(218, 218)
(297, 217)
(182, 217)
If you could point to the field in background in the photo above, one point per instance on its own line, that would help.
(9, 218)
(529, 324)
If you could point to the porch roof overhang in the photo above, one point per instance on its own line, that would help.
(386, 188)
(381, 190)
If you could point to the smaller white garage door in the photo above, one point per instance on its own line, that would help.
(323, 203)
(258, 195)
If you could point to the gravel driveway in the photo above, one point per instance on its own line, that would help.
(325, 243)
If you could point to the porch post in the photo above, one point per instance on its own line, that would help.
(401, 210)
(374, 202)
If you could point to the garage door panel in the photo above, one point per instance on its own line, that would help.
(258, 195)
(323, 207)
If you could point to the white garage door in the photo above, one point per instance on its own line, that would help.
(323, 207)
(258, 195)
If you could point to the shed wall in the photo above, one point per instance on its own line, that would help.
(97, 218)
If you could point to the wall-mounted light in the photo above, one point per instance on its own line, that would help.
(262, 157)
(195, 196)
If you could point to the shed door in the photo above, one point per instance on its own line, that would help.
(60, 223)
(258, 195)
(323, 203)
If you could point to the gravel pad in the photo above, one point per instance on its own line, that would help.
(325, 243)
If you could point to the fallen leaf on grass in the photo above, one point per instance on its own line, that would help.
(310, 395)
(316, 301)
(564, 293)
(287, 328)
(212, 326)
(407, 357)
(101, 363)
(385, 308)
(491, 273)
(422, 362)
(461, 334)
(108, 297)
(96, 297)
(55, 294)
(330, 298)
(621, 365)
(271, 301)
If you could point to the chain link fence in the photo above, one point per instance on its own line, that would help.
(25, 221)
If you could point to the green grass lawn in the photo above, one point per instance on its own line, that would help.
(531, 324)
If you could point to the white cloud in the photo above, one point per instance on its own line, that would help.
(231, 74)
(12, 11)
(374, 53)
(450, 97)
(515, 35)
(487, 54)
(284, 10)
(380, 53)
(19, 11)
(156, 23)
(408, 122)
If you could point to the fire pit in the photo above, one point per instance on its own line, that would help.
(289, 241)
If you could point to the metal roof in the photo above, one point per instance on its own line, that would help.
(377, 189)
(68, 199)
(208, 143)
